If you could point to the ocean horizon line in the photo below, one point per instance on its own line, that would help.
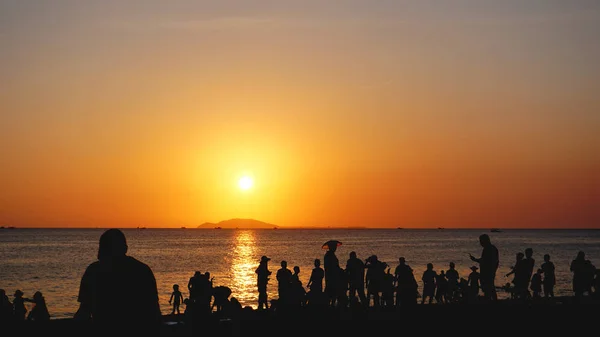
(278, 227)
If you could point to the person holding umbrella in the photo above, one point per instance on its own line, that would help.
(332, 271)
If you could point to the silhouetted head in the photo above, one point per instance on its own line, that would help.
(112, 244)
(484, 240)
(474, 268)
(452, 265)
(581, 255)
(18, 293)
(402, 260)
(547, 257)
(520, 255)
(317, 262)
(176, 287)
(296, 269)
(430, 266)
(38, 297)
(352, 255)
(529, 252)
(283, 264)
(264, 259)
(207, 274)
(2, 293)
(197, 274)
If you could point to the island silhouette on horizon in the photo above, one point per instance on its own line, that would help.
(238, 223)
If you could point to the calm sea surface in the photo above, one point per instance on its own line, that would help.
(53, 260)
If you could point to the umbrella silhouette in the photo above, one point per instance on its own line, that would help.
(331, 243)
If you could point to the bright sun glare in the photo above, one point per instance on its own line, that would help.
(245, 183)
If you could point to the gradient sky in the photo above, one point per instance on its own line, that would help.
(379, 113)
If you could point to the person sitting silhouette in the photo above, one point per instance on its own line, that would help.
(116, 277)
(39, 312)
(176, 298)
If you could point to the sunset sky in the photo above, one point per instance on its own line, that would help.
(380, 113)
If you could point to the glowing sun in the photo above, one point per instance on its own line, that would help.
(245, 183)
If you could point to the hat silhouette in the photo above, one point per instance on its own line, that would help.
(264, 259)
(474, 268)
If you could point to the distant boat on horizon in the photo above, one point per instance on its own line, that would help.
(495, 230)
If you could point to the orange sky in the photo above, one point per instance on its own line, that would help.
(125, 115)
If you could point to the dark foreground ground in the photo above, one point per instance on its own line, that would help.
(559, 317)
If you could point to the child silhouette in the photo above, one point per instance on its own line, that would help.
(176, 298)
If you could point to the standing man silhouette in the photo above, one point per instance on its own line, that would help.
(263, 273)
(118, 292)
(488, 264)
(332, 271)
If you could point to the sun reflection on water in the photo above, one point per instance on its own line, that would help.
(242, 268)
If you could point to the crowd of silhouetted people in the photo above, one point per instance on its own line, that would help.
(368, 284)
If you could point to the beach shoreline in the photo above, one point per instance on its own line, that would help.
(504, 316)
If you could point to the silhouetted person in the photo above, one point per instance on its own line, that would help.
(428, 278)
(441, 287)
(529, 263)
(406, 285)
(176, 298)
(262, 279)
(343, 285)
(19, 309)
(452, 277)
(111, 283)
(473, 284)
(578, 268)
(374, 279)
(355, 268)
(519, 272)
(488, 264)
(387, 288)
(284, 282)
(221, 295)
(549, 277)
(194, 286)
(39, 312)
(332, 272)
(206, 293)
(315, 284)
(536, 283)
(6, 307)
(297, 292)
